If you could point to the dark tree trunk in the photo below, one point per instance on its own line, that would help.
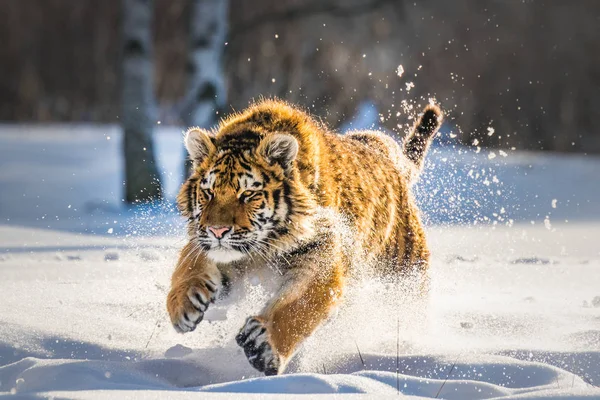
(138, 108)
(206, 91)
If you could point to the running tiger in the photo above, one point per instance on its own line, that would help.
(264, 192)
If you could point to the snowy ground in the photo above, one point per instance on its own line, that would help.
(514, 310)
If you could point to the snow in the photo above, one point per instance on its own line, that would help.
(514, 310)
(400, 71)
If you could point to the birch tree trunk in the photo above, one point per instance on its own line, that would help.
(206, 90)
(138, 108)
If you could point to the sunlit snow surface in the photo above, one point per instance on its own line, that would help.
(514, 310)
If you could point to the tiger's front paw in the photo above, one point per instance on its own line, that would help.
(187, 302)
(254, 339)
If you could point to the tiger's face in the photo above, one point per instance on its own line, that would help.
(238, 199)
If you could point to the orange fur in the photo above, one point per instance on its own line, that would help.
(265, 173)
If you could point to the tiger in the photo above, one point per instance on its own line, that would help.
(254, 200)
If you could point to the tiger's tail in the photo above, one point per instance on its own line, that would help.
(417, 142)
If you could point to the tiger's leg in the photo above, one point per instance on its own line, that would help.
(407, 254)
(312, 287)
(195, 284)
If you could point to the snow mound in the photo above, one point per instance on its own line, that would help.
(423, 376)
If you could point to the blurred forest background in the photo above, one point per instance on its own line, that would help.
(530, 69)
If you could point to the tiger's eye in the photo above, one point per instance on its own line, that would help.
(247, 195)
(209, 193)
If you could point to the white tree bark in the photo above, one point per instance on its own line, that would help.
(138, 108)
(206, 89)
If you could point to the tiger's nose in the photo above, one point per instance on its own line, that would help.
(219, 231)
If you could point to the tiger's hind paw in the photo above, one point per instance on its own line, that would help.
(254, 339)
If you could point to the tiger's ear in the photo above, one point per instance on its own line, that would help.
(198, 144)
(279, 148)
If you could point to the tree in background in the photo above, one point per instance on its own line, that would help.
(529, 69)
(138, 107)
(205, 87)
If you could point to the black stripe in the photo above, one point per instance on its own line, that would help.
(242, 155)
(276, 200)
(245, 166)
(244, 136)
(190, 196)
(240, 141)
(261, 218)
(282, 230)
(265, 177)
(221, 158)
(287, 198)
(306, 248)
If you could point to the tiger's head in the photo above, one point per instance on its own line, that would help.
(244, 195)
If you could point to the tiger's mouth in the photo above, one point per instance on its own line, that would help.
(223, 254)
(231, 249)
(225, 250)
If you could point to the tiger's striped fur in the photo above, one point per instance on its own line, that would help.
(266, 172)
